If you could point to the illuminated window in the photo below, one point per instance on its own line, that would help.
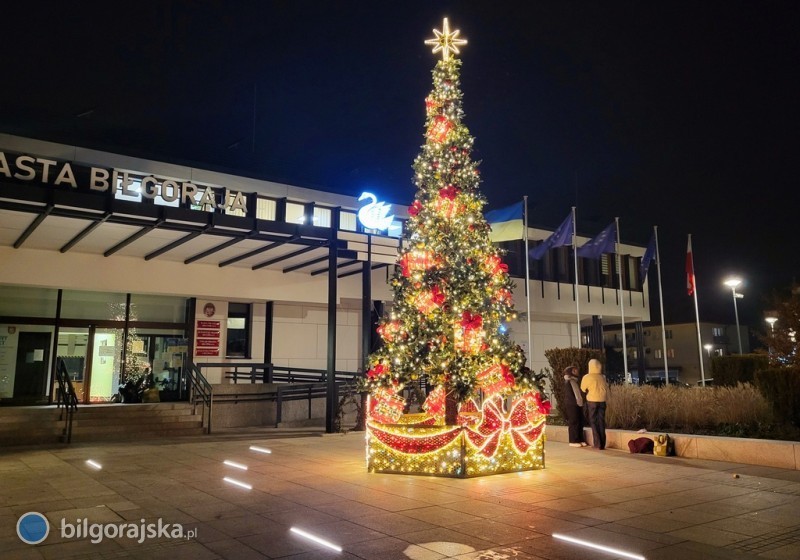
(395, 229)
(295, 213)
(659, 354)
(265, 209)
(347, 221)
(670, 352)
(135, 186)
(322, 217)
(718, 331)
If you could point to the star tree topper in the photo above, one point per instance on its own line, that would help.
(446, 41)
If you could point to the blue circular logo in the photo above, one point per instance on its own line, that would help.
(33, 528)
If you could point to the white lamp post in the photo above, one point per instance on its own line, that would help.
(732, 283)
(771, 321)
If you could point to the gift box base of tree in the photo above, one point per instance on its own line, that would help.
(495, 441)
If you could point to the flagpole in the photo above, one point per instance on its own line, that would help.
(575, 255)
(622, 306)
(697, 316)
(527, 278)
(661, 302)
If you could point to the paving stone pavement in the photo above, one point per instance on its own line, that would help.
(649, 507)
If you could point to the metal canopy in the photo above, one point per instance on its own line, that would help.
(76, 221)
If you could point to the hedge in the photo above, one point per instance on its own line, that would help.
(781, 387)
(727, 371)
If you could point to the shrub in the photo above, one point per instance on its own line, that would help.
(560, 358)
(781, 387)
(689, 410)
(730, 370)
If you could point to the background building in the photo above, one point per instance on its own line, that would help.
(718, 339)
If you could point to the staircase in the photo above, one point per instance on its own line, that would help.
(28, 425)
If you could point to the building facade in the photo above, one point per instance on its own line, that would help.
(113, 264)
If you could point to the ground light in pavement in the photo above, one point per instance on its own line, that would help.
(238, 483)
(259, 449)
(615, 551)
(316, 539)
(94, 464)
(234, 464)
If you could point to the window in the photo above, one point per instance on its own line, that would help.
(322, 217)
(265, 209)
(670, 352)
(718, 331)
(658, 354)
(295, 213)
(668, 334)
(634, 354)
(719, 352)
(347, 221)
(238, 332)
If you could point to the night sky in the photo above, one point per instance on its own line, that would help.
(677, 114)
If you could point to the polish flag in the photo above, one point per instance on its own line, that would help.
(689, 268)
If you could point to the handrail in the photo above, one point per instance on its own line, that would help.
(279, 394)
(67, 397)
(270, 373)
(200, 390)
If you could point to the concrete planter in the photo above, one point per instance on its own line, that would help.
(763, 452)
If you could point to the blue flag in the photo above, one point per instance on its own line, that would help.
(603, 242)
(560, 237)
(649, 255)
(507, 223)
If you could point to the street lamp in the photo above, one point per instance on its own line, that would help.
(771, 321)
(708, 348)
(732, 283)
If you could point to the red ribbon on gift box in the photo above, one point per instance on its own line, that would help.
(496, 422)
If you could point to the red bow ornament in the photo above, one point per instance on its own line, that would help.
(427, 301)
(496, 424)
(415, 208)
(377, 371)
(494, 265)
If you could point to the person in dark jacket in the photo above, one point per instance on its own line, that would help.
(573, 399)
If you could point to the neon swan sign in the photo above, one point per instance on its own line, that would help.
(375, 214)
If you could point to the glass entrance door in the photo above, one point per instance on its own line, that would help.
(106, 365)
(72, 349)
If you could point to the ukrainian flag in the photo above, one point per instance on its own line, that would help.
(507, 223)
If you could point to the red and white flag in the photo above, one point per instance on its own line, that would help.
(689, 268)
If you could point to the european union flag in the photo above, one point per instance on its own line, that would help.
(649, 255)
(603, 242)
(560, 237)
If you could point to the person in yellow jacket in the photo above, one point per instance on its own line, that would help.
(595, 386)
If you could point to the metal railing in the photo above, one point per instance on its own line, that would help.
(290, 383)
(269, 373)
(281, 393)
(200, 392)
(66, 396)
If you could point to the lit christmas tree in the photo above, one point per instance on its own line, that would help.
(452, 292)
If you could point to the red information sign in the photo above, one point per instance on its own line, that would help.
(207, 334)
(208, 324)
(206, 352)
(208, 342)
